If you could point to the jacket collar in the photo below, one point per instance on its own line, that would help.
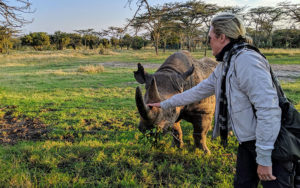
(220, 56)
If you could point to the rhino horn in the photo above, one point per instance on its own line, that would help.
(188, 73)
(153, 92)
(143, 109)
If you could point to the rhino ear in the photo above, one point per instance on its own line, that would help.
(140, 75)
(188, 73)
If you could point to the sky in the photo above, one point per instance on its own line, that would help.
(70, 15)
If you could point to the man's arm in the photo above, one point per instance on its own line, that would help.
(202, 90)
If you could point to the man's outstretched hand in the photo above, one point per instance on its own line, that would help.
(154, 105)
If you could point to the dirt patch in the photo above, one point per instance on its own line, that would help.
(287, 73)
(14, 129)
(129, 65)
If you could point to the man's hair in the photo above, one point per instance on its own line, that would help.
(231, 26)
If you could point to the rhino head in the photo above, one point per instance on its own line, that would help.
(159, 86)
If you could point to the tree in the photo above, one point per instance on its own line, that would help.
(60, 39)
(127, 40)
(10, 12)
(104, 42)
(263, 19)
(291, 10)
(146, 39)
(27, 40)
(114, 42)
(152, 21)
(115, 34)
(173, 41)
(5, 39)
(83, 33)
(40, 40)
(286, 38)
(140, 4)
(91, 40)
(165, 34)
(37, 40)
(137, 43)
(75, 40)
(189, 16)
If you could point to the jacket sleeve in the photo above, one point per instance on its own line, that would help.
(202, 90)
(253, 74)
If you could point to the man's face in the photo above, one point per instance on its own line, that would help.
(216, 42)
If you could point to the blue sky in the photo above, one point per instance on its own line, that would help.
(70, 15)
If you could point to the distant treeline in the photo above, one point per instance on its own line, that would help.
(170, 26)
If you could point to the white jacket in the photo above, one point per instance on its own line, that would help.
(248, 82)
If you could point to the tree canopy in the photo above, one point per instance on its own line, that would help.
(10, 12)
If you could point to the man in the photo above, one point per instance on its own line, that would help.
(246, 102)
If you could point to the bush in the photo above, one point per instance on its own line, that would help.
(137, 43)
(101, 49)
(91, 69)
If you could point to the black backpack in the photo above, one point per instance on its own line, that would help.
(287, 145)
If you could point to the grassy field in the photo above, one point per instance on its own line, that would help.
(64, 127)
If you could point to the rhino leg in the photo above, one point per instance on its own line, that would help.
(201, 127)
(177, 135)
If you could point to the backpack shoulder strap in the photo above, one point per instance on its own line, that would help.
(275, 80)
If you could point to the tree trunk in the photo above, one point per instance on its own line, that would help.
(156, 49)
(189, 44)
(156, 40)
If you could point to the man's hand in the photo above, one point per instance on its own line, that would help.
(154, 105)
(265, 173)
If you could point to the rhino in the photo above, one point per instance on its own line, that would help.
(178, 73)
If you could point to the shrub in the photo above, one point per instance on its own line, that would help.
(137, 43)
(91, 69)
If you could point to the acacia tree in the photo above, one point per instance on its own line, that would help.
(126, 41)
(168, 24)
(11, 17)
(291, 10)
(194, 16)
(5, 39)
(37, 40)
(189, 15)
(92, 41)
(149, 20)
(75, 40)
(165, 34)
(84, 33)
(263, 19)
(116, 34)
(60, 39)
(154, 20)
(10, 13)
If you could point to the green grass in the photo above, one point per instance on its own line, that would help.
(91, 121)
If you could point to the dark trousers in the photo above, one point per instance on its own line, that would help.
(246, 170)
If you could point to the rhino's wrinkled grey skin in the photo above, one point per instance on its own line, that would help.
(177, 74)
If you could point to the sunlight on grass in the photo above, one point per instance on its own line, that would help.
(91, 69)
(277, 51)
(91, 137)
